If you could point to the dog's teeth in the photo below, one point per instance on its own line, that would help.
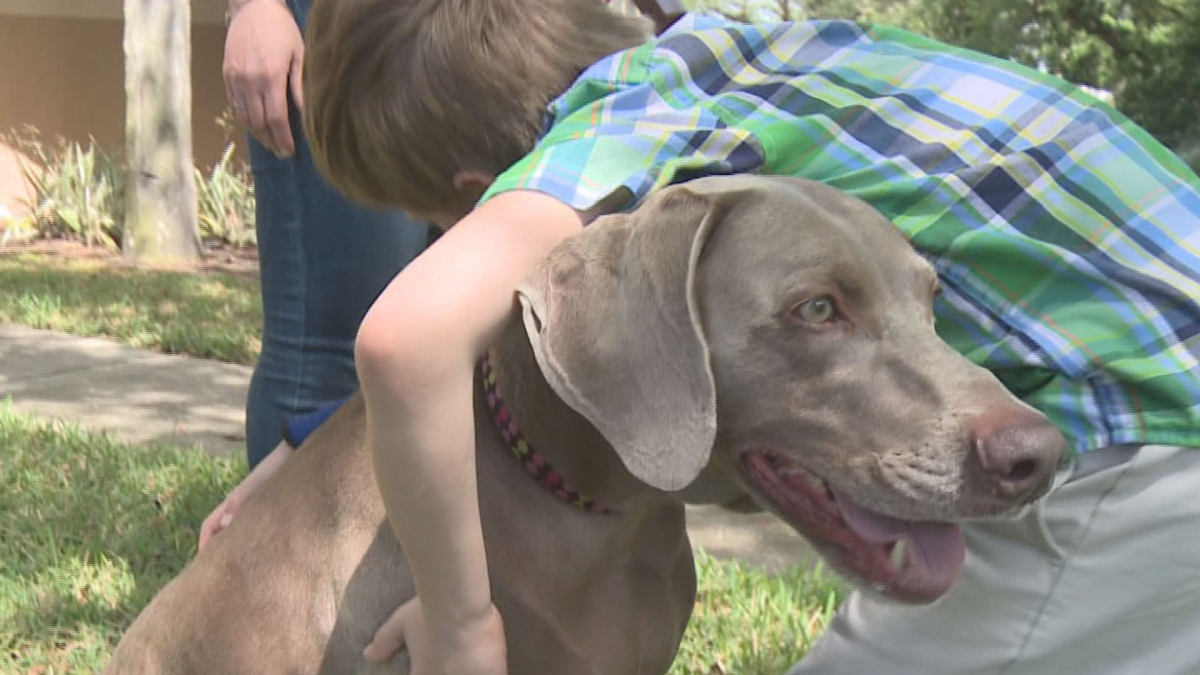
(897, 556)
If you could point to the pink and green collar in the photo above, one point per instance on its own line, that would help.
(533, 461)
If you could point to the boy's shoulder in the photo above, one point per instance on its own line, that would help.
(694, 42)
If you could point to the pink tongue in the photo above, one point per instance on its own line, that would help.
(936, 550)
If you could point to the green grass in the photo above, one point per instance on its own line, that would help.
(748, 622)
(91, 528)
(209, 315)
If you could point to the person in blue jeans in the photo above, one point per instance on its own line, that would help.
(323, 259)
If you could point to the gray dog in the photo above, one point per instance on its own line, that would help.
(734, 337)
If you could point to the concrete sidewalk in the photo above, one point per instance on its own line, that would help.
(147, 397)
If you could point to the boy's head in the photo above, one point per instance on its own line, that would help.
(418, 104)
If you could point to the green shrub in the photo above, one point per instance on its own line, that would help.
(225, 197)
(79, 193)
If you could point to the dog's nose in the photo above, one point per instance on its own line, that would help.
(1018, 453)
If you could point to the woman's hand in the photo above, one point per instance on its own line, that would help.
(264, 54)
(475, 647)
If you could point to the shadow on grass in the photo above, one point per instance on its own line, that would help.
(209, 315)
(90, 530)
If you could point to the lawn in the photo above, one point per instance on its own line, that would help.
(90, 528)
(216, 315)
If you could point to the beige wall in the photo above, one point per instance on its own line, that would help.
(65, 75)
(203, 11)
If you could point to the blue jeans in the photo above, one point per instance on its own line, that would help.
(323, 261)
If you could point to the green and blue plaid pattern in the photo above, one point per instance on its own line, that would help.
(1067, 239)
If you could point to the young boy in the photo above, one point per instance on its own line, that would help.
(1065, 237)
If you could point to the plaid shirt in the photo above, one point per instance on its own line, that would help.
(1067, 239)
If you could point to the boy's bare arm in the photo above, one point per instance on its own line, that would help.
(416, 353)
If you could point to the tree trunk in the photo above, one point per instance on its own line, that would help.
(161, 222)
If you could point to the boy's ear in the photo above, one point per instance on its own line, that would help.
(473, 183)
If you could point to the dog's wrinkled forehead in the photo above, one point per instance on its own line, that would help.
(792, 227)
(793, 208)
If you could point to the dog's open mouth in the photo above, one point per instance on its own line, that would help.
(908, 561)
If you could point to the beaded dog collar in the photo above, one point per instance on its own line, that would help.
(533, 461)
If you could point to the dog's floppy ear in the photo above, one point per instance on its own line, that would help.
(614, 323)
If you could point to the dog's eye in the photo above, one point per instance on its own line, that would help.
(817, 310)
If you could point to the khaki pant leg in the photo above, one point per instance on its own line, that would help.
(1101, 577)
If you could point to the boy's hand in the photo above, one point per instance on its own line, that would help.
(477, 648)
(219, 519)
(264, 52)
(224, 514)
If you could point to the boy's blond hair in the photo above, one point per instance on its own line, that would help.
(402, 95)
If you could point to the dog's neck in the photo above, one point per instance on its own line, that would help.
(568, 441)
